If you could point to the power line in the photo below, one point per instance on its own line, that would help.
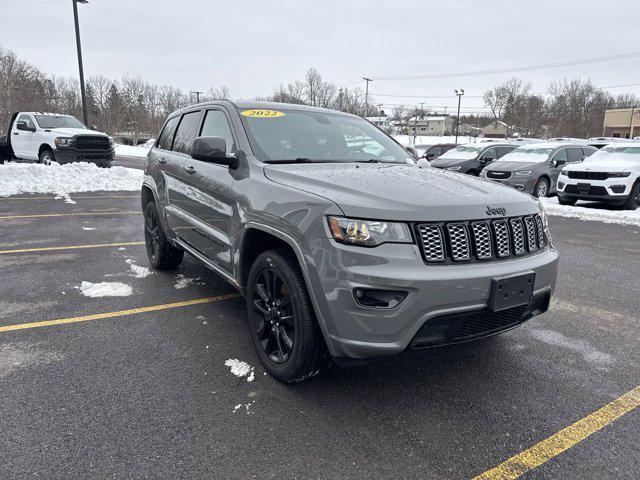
(607, 58)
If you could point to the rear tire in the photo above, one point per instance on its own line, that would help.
(542, 188)
(567, 201)
(633, 201)
(283, 324)
(46, 157)
(162, 255)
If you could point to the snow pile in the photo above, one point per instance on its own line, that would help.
(183, 282)
(240, 369)
(105, 289)
(591, 212)
(138, 271)
(61, 180)
(134, 151)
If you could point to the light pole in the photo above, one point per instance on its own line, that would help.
(85, 117)
(366, 95)
(459, 93)
(197, 94)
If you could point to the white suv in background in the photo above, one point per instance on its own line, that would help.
(612, 175)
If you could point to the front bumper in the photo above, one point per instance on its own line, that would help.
(524, 184)
(101, 158)
(433, 291)
(612, 190)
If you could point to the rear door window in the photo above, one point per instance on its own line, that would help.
(587, 151)
(166, 137)
(574, 155)
(186, 132)
(216, 125)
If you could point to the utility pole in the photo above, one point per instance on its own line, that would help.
(85, 117)
(459, 93)
(366, 94)
(633, 108)
(197, 96)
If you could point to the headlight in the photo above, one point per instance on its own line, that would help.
(111, 141)
(453, 168)
(522, 173)
(64, 141)
(619, 174)
(563, 172)
(545, 222)
(368, 233)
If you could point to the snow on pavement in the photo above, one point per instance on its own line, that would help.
(240, 369)
(61, 180)
(134, 151)
(595, 212)
(137, 270)
(105, 289)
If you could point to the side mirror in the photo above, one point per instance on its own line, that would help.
(94, 127)
(22, 125)
(412, 151)
(212, 150)
(430, 156)
(557, 163)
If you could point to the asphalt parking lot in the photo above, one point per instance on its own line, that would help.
(137, 387)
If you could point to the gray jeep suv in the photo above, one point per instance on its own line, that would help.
(343, 247)
(472, 157)
(535, 168)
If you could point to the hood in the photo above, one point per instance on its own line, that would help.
(451, 162)
(506, 166)
(402, 192)
(70, 132)
(610, 165)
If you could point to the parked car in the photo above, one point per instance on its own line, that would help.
(472, 157)
(612, 175)
(341, 248)
(49, 137)
(600, 142)
(433, 151)
(534, 168)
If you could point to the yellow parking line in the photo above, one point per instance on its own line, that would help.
(120, 313)
(75, 214)
(71, 247)
(553, 446)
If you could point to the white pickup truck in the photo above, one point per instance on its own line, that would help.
(49, 137)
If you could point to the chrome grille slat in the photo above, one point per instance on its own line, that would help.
(459, 241)
(540, 229)
(432, 243)
(517, 231)
(530, 227)
(481, 240)
(503, 239)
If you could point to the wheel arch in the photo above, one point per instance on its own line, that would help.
(43, 147)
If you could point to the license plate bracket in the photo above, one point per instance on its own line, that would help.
(584, 188)
(511, 291)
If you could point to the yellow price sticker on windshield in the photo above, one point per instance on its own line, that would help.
(260, 113)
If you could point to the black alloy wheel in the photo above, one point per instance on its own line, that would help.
(275, 325)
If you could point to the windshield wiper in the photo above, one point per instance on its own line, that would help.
(371, 160)
(298, 160)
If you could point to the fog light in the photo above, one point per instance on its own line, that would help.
(366, 297)
(618, 188)
(560, 185)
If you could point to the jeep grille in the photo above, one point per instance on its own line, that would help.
(481, 240)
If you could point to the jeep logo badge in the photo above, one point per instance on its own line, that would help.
(496, 211)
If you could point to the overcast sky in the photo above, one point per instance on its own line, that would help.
(251, 45)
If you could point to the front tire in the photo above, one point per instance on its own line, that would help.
(284, 329)
(46, 157)
(162, 255)
(633, 201)
(542, 188)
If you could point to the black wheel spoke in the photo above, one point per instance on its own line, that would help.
(283, 301)
(259, 305)
(262, 291)
(288, 341)
(279, 342)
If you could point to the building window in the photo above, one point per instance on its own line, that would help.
(615, 134)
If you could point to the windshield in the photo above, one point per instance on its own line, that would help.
(298, 135)
(52, 121)
(612, 153)
(463, 152)
(528, 155)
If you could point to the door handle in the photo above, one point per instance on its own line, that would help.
(190, 169)
(16, 133)
(162, 160)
